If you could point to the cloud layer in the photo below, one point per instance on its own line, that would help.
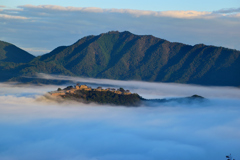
(34, 128)
(228, 10)
(137, 13)
(154, 89)
(46, 27)
(5, 16)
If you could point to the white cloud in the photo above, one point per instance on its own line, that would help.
(137, 13)
(160, 89)
(36, 129)
(66, 25)
(173, 14)
(237, 15)
(36, 50)
(185, 14)
(5, 16)
(61, 8)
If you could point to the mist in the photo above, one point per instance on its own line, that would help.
(34, 127)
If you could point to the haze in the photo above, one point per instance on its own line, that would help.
(33, 127)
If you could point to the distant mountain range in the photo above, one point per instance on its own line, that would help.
(125, 56)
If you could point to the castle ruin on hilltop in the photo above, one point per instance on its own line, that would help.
(72, 90)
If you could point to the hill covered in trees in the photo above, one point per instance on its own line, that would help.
(112, 96)
(11, 53)
(125, 56)
(11, 57)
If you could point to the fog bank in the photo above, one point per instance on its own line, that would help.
(33, 127)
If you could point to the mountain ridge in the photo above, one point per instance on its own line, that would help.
(11, 53)
(126, 56)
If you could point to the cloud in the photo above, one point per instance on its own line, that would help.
(185, 14)
(37, 51)
(137, 13)
(228, 10)
(33, 129)
(61, 8)
(191, 14)
(5, 16)
(235, 15)
(66, 25)
(155, 88)
(1, 6)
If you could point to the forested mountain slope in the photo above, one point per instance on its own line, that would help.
(125, 56)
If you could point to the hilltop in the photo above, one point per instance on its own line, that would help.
(11, 53)
(85, 94)
(126, 56)
(12, 57)
(112, 96)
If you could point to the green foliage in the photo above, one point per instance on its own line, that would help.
(105, 97)
(125, 56)
(68, 88)
(11, 53)
(121, 89)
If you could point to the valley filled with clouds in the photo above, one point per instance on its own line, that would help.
(34, 127)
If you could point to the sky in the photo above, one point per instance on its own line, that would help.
(35, 127)
(153, 5)
(41, 26)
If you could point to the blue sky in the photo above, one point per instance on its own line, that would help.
(41, 26)
(154, 5)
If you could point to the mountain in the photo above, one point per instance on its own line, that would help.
(125, 56)
(11, 57)
(15, 63)
(11, 53)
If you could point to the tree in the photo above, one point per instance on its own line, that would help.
(121, 89)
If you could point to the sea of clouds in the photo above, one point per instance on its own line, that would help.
(34, 127)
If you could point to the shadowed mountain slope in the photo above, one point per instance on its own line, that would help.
(15, 62)
(11, 57)
(11, 53)
(125, 56)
